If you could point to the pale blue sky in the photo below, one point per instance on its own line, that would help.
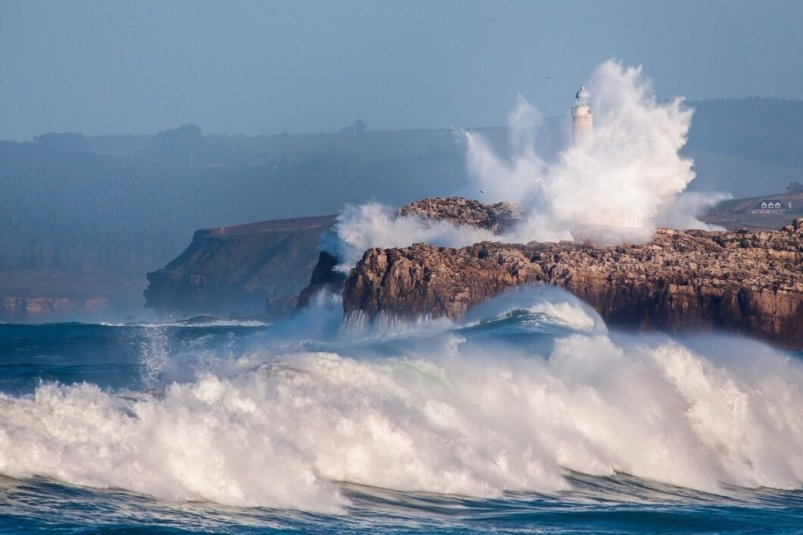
(100, 66)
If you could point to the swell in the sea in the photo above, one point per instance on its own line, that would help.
(531, 394)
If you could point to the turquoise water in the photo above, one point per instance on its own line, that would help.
(530, 416)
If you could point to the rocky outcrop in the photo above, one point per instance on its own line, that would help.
(324, 278)
(461, 211)
(250, 270)
(457, 210)
(745, 281)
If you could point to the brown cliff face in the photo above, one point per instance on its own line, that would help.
(456, 210)
(744, 281)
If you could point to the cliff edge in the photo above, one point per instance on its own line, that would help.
(253, 269)
(749, 282)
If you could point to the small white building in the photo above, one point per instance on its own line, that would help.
(771, 207)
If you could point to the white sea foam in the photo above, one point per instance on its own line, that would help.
(375, 225)
(617, 184)
(446, 414)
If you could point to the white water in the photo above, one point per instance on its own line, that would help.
(447, 414)
(617, 184)
(374, 225)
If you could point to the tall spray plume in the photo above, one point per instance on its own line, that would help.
(618, 183)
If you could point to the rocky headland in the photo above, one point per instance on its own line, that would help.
(749, 282)
(248, 270)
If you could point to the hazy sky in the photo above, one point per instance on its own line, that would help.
(266, 67)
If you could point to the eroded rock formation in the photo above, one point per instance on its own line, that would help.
(461, 211)
(744, 281)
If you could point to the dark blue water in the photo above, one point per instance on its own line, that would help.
(38, 505)
(516, 422)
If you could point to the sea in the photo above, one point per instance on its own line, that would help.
(530, 415)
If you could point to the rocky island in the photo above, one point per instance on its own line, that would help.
(747, 281)
(743, 281)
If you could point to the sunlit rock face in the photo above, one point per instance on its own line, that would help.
(748, 282)
(497, 218)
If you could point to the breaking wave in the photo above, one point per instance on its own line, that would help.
(517, 398)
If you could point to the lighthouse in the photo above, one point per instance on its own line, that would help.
(582, 116)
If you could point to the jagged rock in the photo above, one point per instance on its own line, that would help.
(457, 210)
(745, 281)
(461, 211)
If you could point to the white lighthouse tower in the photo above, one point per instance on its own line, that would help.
(582, 116)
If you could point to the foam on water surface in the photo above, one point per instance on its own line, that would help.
(277, 425)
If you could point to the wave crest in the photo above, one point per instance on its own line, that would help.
(445, 413)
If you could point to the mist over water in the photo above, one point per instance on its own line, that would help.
(617, 184)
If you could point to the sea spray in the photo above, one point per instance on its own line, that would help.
(519, 177)
(375, 225)
(617, 184)
(454, 412)
(155, 354)
(614, 184)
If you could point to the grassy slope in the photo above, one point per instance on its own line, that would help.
(736, 213)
